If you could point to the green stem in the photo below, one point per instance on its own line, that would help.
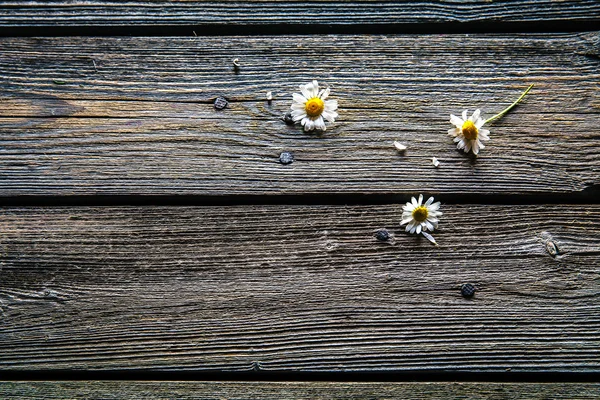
(507, 109)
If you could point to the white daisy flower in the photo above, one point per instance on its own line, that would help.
(311, 108)
(468, 133)
(421, 217)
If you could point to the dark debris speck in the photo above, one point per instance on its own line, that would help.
(287, 118)
(221, 103)
(286, 158)
(383, 235)
(467, 290)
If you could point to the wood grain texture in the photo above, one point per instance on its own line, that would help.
(91, 390)
(299, 289)
(135, 116)
(123, 13)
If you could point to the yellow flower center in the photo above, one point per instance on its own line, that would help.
(314, 107)
(420, 213)
(469, 130)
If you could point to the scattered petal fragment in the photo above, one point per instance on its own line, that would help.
(399, 146)
(436, 162)
(269, 96)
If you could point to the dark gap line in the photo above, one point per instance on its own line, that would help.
(546, 26)
(589, 196)
(264, 376)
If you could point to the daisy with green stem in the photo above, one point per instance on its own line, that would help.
(468, 133)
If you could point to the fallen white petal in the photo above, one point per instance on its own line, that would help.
(399, 146)
(269, 96)
(236, 62)
(435, 161)
(429, 237)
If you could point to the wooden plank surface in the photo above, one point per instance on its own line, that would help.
(135, 115)
(299, 288)
(296, 390)
(123, 13)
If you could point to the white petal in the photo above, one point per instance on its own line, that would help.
(269, 96)
(399, 146)
(413, 229)
(429, 226)
(436, 162)
(484, 134)
(297, 106)
(429, 237)
(405, 221)
(435, 206)
(467, 146)
(461, 144)
(414, 202)
(410, 226)
(308, 123)
(409, 206)
(481, 146)
(329, 115)
(464, 115)
(420, 199)
(429, 201)
(479, 123)
(324, 94)
(298, 117)
(419, 229)
(456, 121)
(475, 115)
(298, 98)
(331, 105)
(475, 147)
(306, 92)
(315, 86)
(320, 124)
(453, 131)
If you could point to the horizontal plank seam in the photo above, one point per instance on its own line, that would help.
(548, 26)
(590, 195)
(263, 376)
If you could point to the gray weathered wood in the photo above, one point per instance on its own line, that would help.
(299, 288)
(296, 390)
(135, 116)
(144, 13)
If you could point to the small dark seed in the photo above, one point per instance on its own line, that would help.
(382, 235)
(467, 290)
(287, 118)
(220, 103)
(286, 158)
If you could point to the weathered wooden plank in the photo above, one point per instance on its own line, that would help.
(135, 115)
(296, 390)
(192, 13)
(299, 288)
